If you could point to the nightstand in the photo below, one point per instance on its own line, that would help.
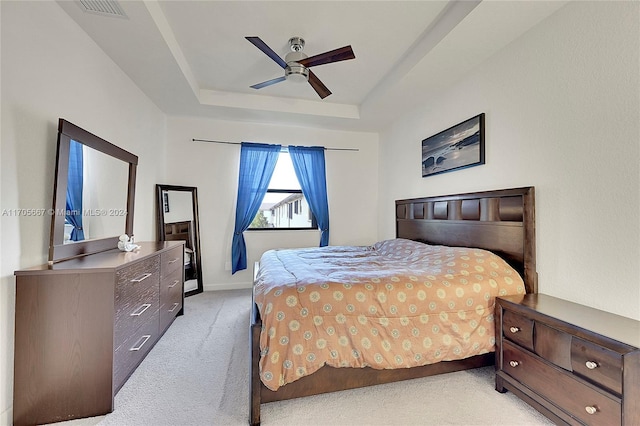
(574, 364)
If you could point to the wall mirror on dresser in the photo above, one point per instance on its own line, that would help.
(177, 208)
(93, 196)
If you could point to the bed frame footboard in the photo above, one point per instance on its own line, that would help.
(254, 382)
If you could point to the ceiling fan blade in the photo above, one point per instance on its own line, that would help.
(257, 42)
(268, 83)
(318, 86)
(337, 55)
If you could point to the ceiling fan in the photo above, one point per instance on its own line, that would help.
(296, 64)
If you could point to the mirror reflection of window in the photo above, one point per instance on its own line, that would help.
(96, 194)
(73, 214)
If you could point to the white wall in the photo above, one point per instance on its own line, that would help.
(562, 108)
(180, 206)
(213, 168)
(52, 69)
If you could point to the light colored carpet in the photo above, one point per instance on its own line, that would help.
(198, 374)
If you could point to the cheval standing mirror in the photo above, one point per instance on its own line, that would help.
(177, 208)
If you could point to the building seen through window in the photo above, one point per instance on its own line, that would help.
(284, 205)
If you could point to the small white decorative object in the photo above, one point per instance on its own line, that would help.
(126, 243)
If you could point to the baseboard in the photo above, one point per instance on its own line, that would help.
(226, 286)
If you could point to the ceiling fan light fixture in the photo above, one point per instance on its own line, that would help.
(296, 64)
(296, 73)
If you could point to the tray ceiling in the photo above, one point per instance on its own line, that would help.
(192, 58)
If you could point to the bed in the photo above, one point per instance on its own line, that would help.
(496, 227)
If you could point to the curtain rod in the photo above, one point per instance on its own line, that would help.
(284, 146)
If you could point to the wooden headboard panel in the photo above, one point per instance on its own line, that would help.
(179, 231)
(502, 221)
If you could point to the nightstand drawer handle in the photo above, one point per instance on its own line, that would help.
(591, 409)
(514, 363)
(173, 260)
(514, 329)
(591, 365)
(174, 284)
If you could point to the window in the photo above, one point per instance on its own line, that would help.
(284, 206)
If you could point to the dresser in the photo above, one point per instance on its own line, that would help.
(575, 364)
(82, 326)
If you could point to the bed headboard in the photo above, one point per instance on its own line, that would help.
(179, 231)
(502, 221)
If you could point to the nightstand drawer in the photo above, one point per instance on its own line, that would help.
(553, 345)
(578, 399)
(597, 364)
(518, 329)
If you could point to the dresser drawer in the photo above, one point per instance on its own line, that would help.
(597, 364)
(134, 349)
(168, 312)
(577, 398)
(171, 285)
(171, 292)
(518, 329)
(136, 279)
(172, 260)
(133, 312)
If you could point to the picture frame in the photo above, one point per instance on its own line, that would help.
(455, 148)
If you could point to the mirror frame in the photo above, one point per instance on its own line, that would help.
(196, 226)
(58, 251)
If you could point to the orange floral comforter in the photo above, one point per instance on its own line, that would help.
(396, 304)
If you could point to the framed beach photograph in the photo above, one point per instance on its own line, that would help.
(456, 148)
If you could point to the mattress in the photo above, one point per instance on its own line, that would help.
(395, 304)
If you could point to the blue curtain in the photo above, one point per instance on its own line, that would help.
(308, 162)
(73, 215)
(257, 162)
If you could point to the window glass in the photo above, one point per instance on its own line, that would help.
(284, 176)
(284, 206)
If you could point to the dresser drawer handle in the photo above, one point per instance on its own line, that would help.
(514, 363)
(514, 329)
(141, 278)
(591, 409)
(174, 260)
(591, 365)
(174, 284)
(141, 343)
(175, 305)
(141, 310)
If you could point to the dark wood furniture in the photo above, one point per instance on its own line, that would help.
(182, 231)
(575, 364)
(83, 325)
(501, 221)
(58, 249)
(188, 229)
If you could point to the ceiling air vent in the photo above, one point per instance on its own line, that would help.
(102, 7)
